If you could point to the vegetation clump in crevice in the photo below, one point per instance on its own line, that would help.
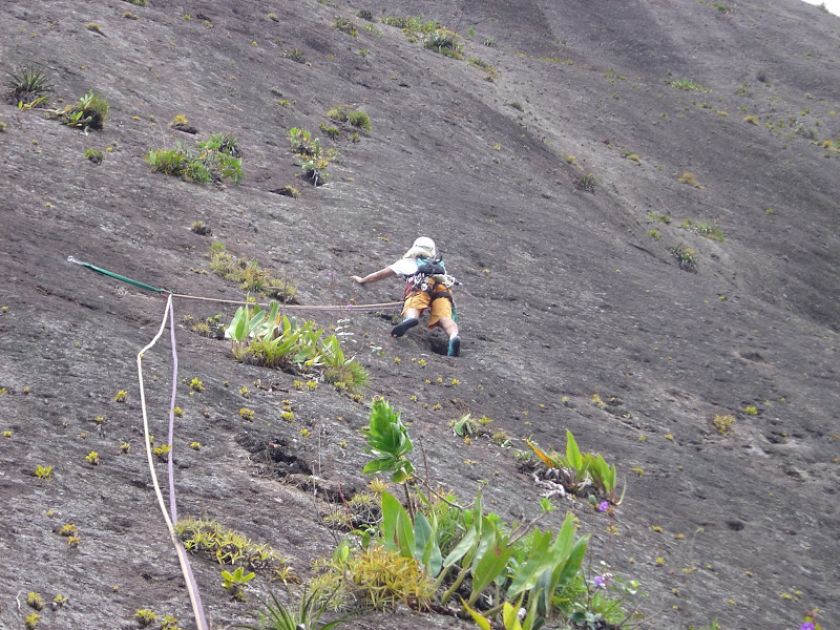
(346, 26)
(91, 111)
(214, 160)
(230, 548)
(249, 275)
(429, 33)
(273, 340)
(490, 72)
(685, 257)
(313, 159)
(348, 115)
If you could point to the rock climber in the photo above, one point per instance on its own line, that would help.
(428, 286)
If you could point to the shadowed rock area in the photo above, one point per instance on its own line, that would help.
(638, 197)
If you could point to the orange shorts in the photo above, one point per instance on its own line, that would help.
(439, 307)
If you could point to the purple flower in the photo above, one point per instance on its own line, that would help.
(808, 625)
(604, 506)
(601, 582)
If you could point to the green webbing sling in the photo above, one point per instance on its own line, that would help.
(117, 276)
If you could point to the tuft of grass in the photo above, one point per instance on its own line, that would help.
(288, 191)
(688, 179)
(295, 55)
(359, 119)
(139, 3)
(352, 375)
(486, 67)
(200, 228)
(331, 132)
(338, 113)
(93, 26)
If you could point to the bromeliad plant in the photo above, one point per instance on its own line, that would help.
(89, 112)
(313, 159)
(579, 469)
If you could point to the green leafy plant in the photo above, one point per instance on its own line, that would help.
(295, 55)
(227, 546)
(466, 426)
(44, 473)
(162, 452)
(34, 600)
(145, 617)
(234, 582)
(92, 458)
(169, 623)
(94, 156)
(388, 442)
(339, 369)
(32, 621)
(331, 132)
